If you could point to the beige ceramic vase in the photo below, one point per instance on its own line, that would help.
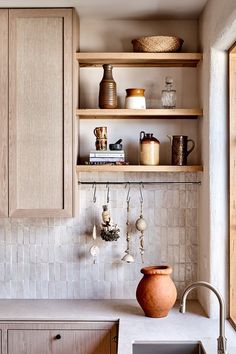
(149, 149)
(156, 292)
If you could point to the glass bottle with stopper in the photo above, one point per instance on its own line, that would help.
(168, 97)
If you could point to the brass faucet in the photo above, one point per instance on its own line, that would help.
(221, 341)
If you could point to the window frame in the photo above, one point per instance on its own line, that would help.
(232, 184)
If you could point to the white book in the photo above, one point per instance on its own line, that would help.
(106, 159)
(107, 153)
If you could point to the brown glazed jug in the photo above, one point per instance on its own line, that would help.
(156, 292)
(107, 89)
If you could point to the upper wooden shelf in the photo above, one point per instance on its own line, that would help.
(134, 113)
(139, 59)
(138, 168)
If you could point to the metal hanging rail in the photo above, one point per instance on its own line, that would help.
(138, 183)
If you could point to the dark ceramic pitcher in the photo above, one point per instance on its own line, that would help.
(179, 149)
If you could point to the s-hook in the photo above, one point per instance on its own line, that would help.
(108, 192)
(128, 193)
(94, 192)
(94, 250)
(141, 224)
(141, 185)
(128, 258)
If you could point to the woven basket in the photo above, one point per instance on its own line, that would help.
(157, 44)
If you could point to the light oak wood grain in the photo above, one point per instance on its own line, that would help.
(137, 168)
(76, 43)
(232, 184)
(72, 342)
(40, 116)
(4, 113)
(134, 113)
(140, 59)
(76, 338)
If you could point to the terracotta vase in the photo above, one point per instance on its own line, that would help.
(156, 292)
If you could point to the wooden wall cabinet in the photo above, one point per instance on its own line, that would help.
(4, 113)
(60, 338)
(37, 117)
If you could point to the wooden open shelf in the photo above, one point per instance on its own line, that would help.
(139, 59)
(137, 168)
(134, 113)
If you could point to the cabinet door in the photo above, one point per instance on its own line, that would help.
(69, 341)
(4, 113)
(40, 113)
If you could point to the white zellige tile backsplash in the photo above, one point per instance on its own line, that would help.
(49, 258)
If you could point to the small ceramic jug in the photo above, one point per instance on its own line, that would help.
(179, 149)
(149, 149)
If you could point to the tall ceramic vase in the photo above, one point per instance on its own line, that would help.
(107, 89)
(156, 292)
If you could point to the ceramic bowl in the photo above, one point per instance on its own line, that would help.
(115, 146)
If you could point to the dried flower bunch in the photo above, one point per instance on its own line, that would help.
(109, 230)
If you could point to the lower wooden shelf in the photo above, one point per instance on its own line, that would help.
(138, 168)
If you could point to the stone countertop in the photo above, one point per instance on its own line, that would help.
(133, 325)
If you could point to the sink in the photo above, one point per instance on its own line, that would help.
(168, 348)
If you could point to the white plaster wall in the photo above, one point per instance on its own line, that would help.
(217, 34)
(113, 35)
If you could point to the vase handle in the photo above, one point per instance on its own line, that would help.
(142, 135)
(193, 145)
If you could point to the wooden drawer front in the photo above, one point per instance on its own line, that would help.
(83, 341)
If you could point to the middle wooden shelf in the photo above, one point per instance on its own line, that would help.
(184, 113)
(138, 168)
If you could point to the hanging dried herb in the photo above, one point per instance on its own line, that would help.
(109, 231)
(111, 234)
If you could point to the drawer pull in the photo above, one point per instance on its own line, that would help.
(58, 336)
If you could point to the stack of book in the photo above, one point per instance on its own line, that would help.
(97, 157)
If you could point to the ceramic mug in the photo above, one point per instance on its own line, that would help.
(180, 149)
(101, 144)
(100, 132)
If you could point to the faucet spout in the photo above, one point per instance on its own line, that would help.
(222, 341)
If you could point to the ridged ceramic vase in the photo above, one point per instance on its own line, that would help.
(156, 292)
(107, 89)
